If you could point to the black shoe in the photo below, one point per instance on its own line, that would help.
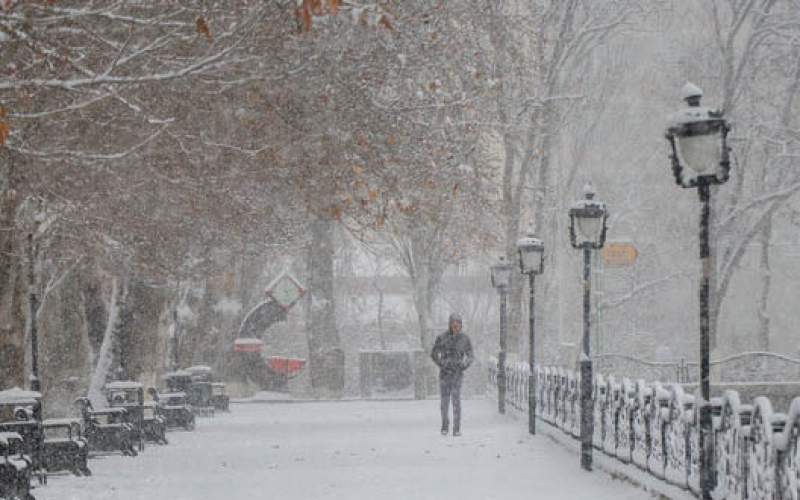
(444, 432)
(456, 433)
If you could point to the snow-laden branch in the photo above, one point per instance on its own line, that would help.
(54, 283)
(605, 305)
(778, 195)
(106, 79)
(61, 153)
(65, 13)
(65, 109)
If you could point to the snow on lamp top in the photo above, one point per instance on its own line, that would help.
(690, 91)
(697, 136)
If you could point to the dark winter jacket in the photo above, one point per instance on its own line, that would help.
(452, 353)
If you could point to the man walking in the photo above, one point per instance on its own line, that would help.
(452, 353)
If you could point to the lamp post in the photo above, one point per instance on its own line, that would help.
(699, 153)
(531, 262)
(33, 308)
(175, 333)
(587, 231)
(501, 281)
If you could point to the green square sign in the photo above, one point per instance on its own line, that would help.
(285, 290)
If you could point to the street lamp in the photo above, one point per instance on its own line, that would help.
(33, 308)
(698, 140)
(501, 281)
(587, 231)
(531, 262)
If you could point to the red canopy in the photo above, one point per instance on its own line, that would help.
(248, 345)
(284, 365)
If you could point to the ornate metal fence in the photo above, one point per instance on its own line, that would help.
(654, 427)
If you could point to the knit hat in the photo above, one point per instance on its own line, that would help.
(454, 317)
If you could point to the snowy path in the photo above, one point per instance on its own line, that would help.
(345, 450)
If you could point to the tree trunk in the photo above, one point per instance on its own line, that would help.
(423, 305)
(381, 335)
(12, 297)
(766, 282)
(326, 357)
(105, 356)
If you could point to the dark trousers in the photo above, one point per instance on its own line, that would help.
(450, 388)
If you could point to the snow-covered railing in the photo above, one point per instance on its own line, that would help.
(753, 365)
(654, 427)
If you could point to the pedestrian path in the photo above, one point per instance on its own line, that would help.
(346, 450)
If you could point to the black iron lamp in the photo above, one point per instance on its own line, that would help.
(587, 221)
(587, 231)
(531, 262)
(698, 140)
(700, 158)
(501, 274)
(501, 281)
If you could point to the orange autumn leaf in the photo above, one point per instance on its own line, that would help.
(315, 6)
(391, 140)
(5, 131)
(384, 21)
(202, 27)
(362, 140)
(373, 194)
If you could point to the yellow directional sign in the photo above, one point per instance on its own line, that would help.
(619, 254)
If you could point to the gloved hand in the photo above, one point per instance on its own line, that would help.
(451, 366)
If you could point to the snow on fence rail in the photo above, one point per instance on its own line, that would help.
(763, 366)
(654, 426)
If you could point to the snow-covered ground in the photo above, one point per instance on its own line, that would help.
(345, 450)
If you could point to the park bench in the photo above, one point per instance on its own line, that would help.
(65, 448)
